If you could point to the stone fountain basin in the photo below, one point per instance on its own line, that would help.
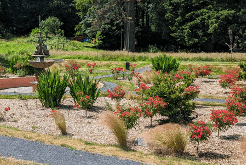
(42, 64)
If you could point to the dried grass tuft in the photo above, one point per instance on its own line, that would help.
(167, 138)
(117, 126)
(243, 145)
(60, 121)
(148, 77)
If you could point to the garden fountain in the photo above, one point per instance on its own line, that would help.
(40, 52)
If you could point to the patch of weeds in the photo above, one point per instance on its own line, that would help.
(21, 97)
(34, 127)
(89, 143)
(67, 146)
(40, 140)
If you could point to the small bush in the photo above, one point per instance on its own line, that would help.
(169, 137)
(117, 126)
(165, 63)
(87, 86)
(51, 88)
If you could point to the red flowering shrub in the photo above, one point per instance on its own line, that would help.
(223, 119)
(152, 106)
(191, 92)
(72, 67)
(142, 88)
(91, 67)
(230, 78)
(129, 115)
(116, 72)
(117, 93)
(84, 101)
(202, 71)
(236, 102)
(199, 131)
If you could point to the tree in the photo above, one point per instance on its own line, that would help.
(202, 23)
(108, 16)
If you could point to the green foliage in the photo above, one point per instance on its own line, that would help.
(51, 88)
(87, 86)
(176, 96)
(165, 63)
(51, 25)
(242, 75)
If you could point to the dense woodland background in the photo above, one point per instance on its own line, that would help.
(167, 25)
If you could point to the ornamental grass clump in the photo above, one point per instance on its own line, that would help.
(199, 131)
(223, 119)
(165, 63)
(51, 88)
(59, 120)
(171, 137)
(86, 85)
(117, 126)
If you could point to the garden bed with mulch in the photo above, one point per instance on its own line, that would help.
(31, 116)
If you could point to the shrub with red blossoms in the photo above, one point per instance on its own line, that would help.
(91, 67)
(236, 102)
(229, 79)
(129, 115)
(72, 67)
(84, 102)
(199, 131)
(117, 93)
(223, 119)
(152, 106)
(142, 88)
(191, 92)
(202, 71)
(116, 72)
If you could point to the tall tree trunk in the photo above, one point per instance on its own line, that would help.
(129, 38)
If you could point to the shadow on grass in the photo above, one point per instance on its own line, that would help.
(3, 61)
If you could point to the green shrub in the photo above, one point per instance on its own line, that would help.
(165, 63)
(87, 86)
(176, 94)
(242, 75)
(51, 88)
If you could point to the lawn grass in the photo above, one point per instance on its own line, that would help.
(79, 144)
